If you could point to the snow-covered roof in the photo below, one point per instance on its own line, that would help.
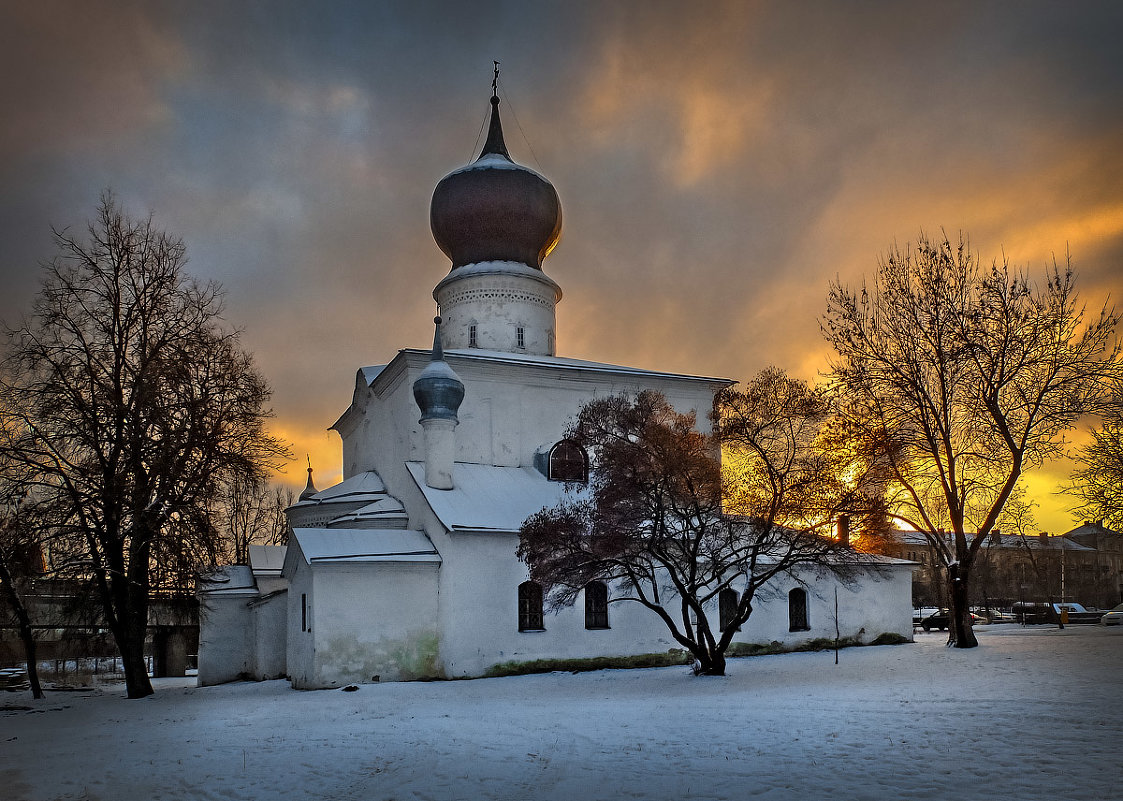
(554, 362)
(352, 489)
(1090, 529)
(488, 498)
(267, 560)
(561, 363)
(229, 580)
(382, 511)
(364, 545)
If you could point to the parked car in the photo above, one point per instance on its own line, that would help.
(1070, 612)
(919, 613)
(1067, 612)
(1113, 617)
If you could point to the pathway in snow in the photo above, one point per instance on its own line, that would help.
(1035, 713)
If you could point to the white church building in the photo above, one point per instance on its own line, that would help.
(407, 569)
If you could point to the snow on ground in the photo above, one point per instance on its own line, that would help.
(1034, 713)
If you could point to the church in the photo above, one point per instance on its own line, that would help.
(407, 568)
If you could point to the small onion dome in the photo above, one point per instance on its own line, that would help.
(494, 209)
(438, 390)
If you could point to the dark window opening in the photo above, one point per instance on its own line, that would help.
(568, 462)
(472, 337)
(530, 606)
(596, 605)
(727, 601)
(303, 612)
(521, 337)
(797, 610)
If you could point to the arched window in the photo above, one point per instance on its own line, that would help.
(727, 607)
(596, 605)
(472, 341)
(530, 606)
(568, 462)
(797, 610)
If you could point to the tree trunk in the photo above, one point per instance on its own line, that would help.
(25, 632)
(961, 634)
(130, 608)
(137, 683)
(709, 664)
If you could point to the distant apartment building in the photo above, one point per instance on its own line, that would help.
(1084, 565)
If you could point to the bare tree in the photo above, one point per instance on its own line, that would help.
(965, 377)
(130, 403)
(652, 521)
(20, 559)
(252, 513)
(1097, 481)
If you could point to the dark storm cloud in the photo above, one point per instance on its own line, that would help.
(718, 163)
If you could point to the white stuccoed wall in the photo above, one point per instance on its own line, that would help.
(225, 637)
(498, 298)
(375, 619)
(299, 644)
(270, 626)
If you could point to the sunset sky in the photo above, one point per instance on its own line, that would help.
(718, 163)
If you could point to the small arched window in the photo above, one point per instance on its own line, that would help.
(797, 610)
(596, 605)
(530, 606)
(568, 462)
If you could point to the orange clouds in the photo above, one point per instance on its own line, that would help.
(718, 162)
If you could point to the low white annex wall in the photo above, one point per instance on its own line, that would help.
(375, 619)
(225, 637)
(270, 621)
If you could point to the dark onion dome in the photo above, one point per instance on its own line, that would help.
(438, 390)
(494, 209)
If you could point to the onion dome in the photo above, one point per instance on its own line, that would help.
(494, 209)
(438, 390)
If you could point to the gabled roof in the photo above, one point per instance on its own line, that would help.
(385, 511)
(1031, 541)
(229, 580)
(489, 499)
(319, 545)
(1092, 529)
(562, 363)
(267, 560)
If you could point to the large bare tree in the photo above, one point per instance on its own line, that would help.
(130, 402)
(653, 521)
(965, 376)
(1097, 481)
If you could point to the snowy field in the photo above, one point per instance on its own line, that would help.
(1034, 713)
